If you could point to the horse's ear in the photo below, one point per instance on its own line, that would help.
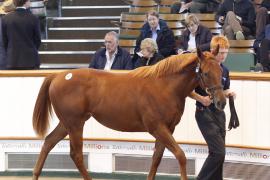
(200, 54)
(215, 51)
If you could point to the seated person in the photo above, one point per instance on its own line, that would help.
(159, 31)
(263, 51)
(238, 18)
(149, 54)
(112, 56)
(262, 19)
(195, 6)
(196, 35)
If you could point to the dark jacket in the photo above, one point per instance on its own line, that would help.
(141, 61)
(266, 4)
(165, 39)
(203, 38)
(3, 62)
(122, 60)
(261, 36)
(244, 9)
(21, 38)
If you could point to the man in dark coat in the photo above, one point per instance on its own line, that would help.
(5, 8)
(237, 17)
(158, 30)
(112, 56)
(21, 37)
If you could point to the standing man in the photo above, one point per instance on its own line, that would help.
(21, 37)
(5, 8)
(112, 56)
(210, 120)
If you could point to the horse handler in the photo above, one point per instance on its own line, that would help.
(210, 120)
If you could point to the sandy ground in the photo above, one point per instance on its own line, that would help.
(41, 178)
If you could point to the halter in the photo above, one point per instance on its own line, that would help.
(210, 91)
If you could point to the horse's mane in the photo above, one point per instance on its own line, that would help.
(170, 65)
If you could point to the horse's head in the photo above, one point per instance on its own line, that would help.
(209, 74)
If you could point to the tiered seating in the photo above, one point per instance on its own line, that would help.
(73, 40)
(165, 5)
(142, 6)
(74, 37)
(131, 23)
(241, 56)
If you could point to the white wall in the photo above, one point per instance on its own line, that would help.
(18, 95)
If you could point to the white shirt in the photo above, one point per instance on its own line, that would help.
(154, 33)
(191, 42)
(109, 61)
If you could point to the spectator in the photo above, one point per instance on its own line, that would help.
(210, 120)
(112, 56)
(195, 6)
(21, 37)
(262, 19)
(238, 18)
(149, 54)
(263, 51)
(158, 30)
(194, 36)
(6, 7)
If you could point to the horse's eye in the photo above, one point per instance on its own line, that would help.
(205, 74)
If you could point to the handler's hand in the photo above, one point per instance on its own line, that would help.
(229, 93)
(205, 100)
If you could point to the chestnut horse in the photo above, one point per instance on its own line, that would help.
(148, 99)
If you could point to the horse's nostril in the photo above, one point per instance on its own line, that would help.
(221, 105)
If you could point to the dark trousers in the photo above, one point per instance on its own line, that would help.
(212, 126)
(264, 54)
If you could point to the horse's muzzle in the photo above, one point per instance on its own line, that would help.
(219, 100)
(220, 104)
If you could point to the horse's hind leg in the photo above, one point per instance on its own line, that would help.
(163, 134)
(50, 141)
(159, 149)
(76, 145)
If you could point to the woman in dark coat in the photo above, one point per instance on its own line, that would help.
(194, 36)
(149, 54)
(158, 30)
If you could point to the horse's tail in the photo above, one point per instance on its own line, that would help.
(42, 108)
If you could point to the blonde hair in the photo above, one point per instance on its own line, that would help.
(220, 40)
(192, 18)
(149, 44)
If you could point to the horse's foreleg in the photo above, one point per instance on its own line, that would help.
(163, 134)
(159, 149)
(76, 145)
(50, 141)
